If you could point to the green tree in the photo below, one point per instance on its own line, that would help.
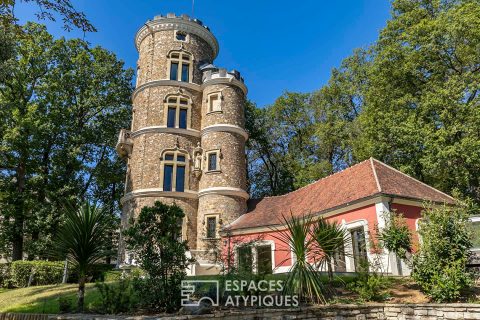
(47, 9)
(82, 239)
(421, 101)
(60, 106)
(154, 238)
(439, 267)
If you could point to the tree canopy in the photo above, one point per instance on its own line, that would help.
(61, 104)
(411, 100)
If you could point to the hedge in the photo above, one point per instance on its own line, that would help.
(41, 272)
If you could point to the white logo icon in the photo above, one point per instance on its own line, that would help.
(197, 289)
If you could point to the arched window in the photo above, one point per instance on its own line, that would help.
(177, 112)
(180, 66)
(174, 171)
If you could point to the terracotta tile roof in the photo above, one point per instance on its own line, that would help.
(365, 179)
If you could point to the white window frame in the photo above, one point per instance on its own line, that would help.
(177, 105)
(219, 96)
(207, 158)
(175, 163)
(181, 60)
(475, 220)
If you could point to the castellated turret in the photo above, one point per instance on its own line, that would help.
(186, 144)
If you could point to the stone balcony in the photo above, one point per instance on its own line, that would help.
(124, 144)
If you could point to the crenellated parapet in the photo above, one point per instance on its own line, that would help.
(181, 23)
(215, 75)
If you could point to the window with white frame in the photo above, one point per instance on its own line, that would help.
(175, 171)
(180, 66)
(214, 102)
(177, 112)
(213, 160)
(476, 233)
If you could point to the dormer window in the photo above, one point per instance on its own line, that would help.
(180, 64)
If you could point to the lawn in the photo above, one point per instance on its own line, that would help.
(44, 299)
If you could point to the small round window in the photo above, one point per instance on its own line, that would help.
(181, 36)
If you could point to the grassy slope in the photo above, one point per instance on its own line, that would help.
(44, 299)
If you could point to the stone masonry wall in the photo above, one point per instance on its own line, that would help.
(153, 51)
(232, 104)
(334, 312)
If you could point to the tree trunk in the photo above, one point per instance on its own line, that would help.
(330, 271)
(17, 241)
(81, 292)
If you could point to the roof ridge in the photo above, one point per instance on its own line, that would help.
(311, 183)
(412, 178)
(379, 187)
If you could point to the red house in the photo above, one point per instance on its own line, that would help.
(359, 197)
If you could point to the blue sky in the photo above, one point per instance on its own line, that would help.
(276, 45)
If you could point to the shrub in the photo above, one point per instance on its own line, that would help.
(117, 297)
(440, 265)
(24, 273)
(154, 240)
(65, 304)
(5, 277)
(369, 286)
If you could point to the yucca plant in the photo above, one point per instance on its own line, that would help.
(303, 279)
(329, 239)
(82, 240)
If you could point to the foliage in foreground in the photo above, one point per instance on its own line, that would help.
(396, 237)
(83, 240)
(330, 238)
(440, 265)
(370, 286)
(303, 279)
(155, 240)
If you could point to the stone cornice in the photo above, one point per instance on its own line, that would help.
(226, 191)
(158, 192)
(225, 128)
(163, 129)
(226, 81)
(177, 24)
(170, 83)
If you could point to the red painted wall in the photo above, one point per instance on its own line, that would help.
(282, 252)
(411, 214)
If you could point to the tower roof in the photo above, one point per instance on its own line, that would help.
(182, 23)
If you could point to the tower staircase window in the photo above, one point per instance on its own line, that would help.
(180, 66)
(213, 160)
(174, 172)
(211, 227)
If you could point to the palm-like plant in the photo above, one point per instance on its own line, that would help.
(303, 279)
(82, 239)
(330, 238)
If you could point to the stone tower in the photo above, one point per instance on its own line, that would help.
(186, 144)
